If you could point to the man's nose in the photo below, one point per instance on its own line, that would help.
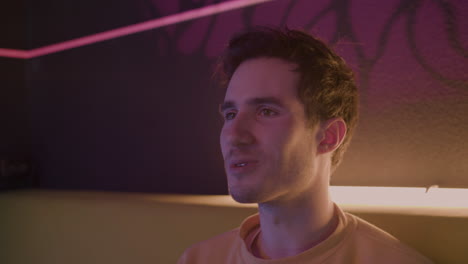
(239, 131)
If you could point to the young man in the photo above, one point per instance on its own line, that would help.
(290, 108)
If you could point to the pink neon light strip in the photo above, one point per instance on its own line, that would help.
(11, 53)
(127, 30)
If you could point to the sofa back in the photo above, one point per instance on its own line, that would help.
(46, 227)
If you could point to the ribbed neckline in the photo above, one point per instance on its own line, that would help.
(317, 254)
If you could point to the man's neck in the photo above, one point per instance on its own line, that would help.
(290, 228)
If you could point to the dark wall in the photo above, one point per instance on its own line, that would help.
(54, 21)
(139, 113)
(15, 143)
(15, 132)
(126, 118)
(14, 24)
(14, 119)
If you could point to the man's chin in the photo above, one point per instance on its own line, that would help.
(244, 196)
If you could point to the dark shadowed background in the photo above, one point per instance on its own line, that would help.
(139, 113)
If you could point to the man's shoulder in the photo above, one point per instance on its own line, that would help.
(217, 247)
(382, 244)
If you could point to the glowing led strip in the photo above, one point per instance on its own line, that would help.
(127, 30)
(435, 201)
(447, 202)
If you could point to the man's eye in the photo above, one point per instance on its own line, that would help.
(229, 115)
(267, 112)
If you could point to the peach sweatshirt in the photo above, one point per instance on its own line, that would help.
(353, 241)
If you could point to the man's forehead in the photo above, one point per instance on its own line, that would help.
(262, 77)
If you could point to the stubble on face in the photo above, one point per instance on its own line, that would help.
(282, 144)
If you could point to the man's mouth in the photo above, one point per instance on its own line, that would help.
(242, 164)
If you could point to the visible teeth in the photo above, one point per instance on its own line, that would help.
(241, 164)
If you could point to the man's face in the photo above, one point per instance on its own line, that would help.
(268, 147)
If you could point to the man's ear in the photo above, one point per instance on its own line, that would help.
(333, 132)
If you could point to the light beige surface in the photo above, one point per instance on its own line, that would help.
(97, 227)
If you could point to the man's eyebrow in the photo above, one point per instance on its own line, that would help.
(265, 100)
(226, 105)
(253, 101)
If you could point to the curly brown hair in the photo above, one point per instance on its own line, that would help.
(326, 88)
